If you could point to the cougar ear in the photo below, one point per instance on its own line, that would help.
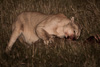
(72, 19)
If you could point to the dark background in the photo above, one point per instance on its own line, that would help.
(62, 53)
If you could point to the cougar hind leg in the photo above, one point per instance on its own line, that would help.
(15, 34)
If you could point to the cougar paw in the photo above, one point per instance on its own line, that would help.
(46, 42)
(8, 49)
(51, 40)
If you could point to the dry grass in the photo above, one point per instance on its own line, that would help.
(62, 53)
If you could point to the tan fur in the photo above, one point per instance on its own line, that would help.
(30, 26)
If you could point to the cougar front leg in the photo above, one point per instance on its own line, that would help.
(44, 35)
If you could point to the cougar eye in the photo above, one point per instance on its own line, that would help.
(74, 31)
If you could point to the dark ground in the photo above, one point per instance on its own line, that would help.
(62, 53)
